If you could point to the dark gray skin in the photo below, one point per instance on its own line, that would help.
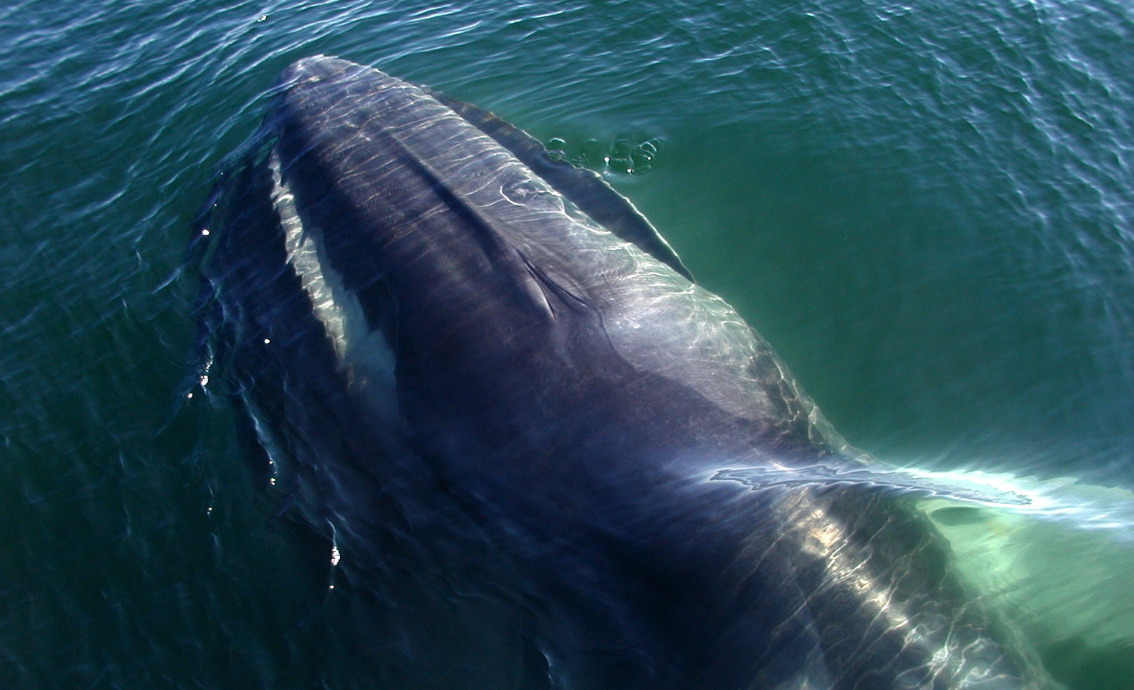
(563, 405)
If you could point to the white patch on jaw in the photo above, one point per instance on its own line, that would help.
(303, 255)
(364, 353)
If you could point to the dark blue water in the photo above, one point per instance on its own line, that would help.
(928, 209)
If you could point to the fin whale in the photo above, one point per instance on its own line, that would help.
(548, 458)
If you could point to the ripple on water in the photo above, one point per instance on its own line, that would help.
(927, 209)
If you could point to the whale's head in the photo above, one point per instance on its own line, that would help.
(510, 290)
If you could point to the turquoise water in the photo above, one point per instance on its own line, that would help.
(928, 209)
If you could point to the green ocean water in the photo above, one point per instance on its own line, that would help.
(927, 208)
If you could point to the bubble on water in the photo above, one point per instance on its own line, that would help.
(623, 155)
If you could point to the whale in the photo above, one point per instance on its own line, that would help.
(540, 454)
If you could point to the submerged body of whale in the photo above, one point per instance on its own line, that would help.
(547, 458)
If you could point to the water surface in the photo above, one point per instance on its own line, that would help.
(927, 208)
